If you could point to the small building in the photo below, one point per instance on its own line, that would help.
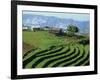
(35, 28)
(46, 28)
(54, 30)
(25, 28)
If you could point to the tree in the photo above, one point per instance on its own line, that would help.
(71, 29)
(60, 32)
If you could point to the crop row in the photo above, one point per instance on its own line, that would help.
(59, 56)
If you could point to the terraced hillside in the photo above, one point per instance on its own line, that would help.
(57, 56)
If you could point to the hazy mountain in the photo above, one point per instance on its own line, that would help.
(51, 21)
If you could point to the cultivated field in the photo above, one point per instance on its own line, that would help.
(42, 49)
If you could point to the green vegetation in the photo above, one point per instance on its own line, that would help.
(72, 30)
(60, 56)
(44, 39)
(44, 49)
(41, 39)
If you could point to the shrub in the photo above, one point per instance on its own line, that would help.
(84, 41)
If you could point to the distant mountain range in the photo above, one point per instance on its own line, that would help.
(51, 21)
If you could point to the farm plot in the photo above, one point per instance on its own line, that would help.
(57, 56)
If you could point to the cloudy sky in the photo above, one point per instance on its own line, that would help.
(74, 16)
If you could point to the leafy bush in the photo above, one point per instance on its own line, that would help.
(84, 41)
(71, 29)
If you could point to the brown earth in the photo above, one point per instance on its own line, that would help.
(27, 47)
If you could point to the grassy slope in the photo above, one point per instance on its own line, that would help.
(64, 57)
(42, 39)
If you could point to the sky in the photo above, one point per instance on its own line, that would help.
(66, 15)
